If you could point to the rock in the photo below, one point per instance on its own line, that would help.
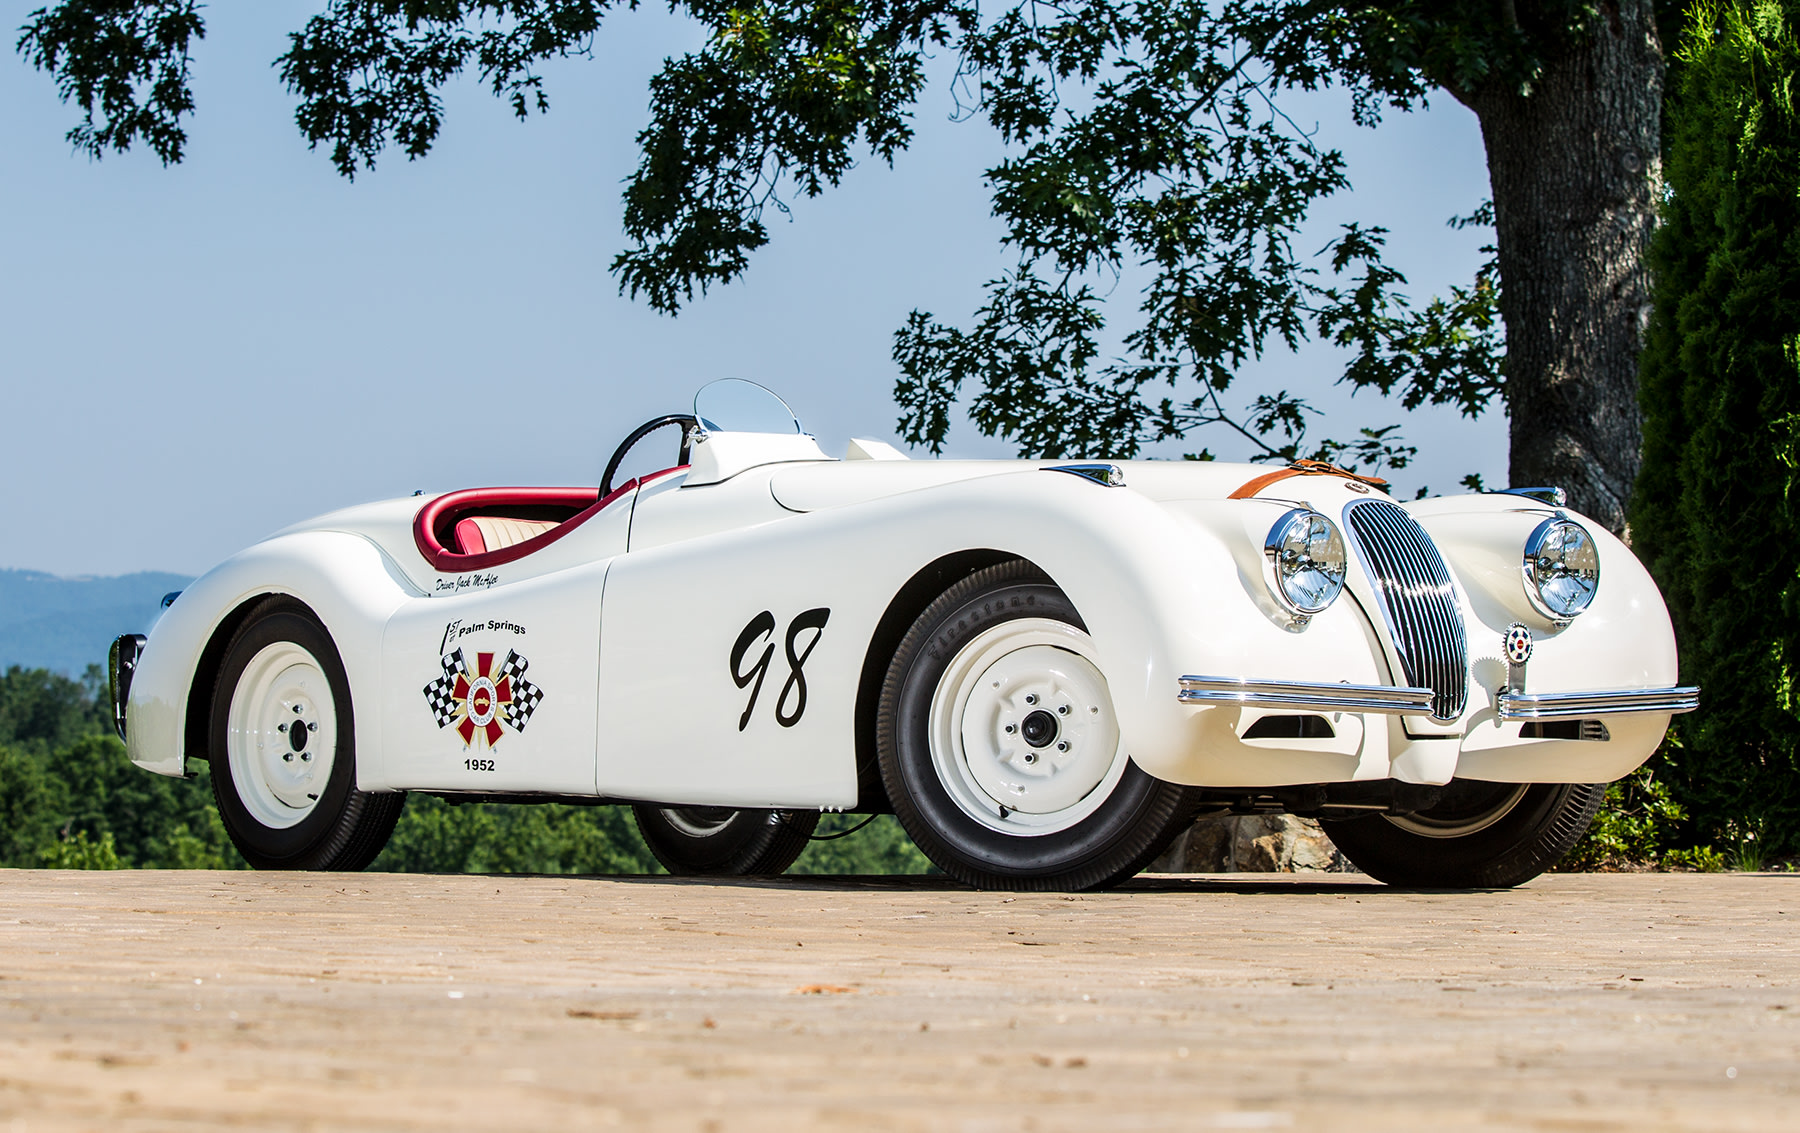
(1252, 843)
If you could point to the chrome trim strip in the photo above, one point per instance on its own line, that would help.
(1105, 475)
(1396, 700)
(1555, 497)
(1564, 705)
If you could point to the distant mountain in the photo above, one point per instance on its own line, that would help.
(67, 624)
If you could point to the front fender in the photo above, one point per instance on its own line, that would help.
(345, 579)
(1623, 641)
(1174, 589)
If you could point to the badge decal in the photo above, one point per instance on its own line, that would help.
(1517, 643)
(480, 700)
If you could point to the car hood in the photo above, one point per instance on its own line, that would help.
(813, 487)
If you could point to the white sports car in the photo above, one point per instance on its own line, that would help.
(1044, 668)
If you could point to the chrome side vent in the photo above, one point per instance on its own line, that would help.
(1417, 600)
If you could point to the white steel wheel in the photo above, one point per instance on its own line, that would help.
(1023, 734)
(282, 746)
(281, 735)
(1000, 748)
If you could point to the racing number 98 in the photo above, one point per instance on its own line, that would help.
(794, 689)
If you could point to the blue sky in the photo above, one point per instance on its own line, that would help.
(196, 356)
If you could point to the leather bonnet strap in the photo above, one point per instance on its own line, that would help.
(1301, 468)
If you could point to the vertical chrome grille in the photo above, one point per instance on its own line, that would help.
(1417, 599)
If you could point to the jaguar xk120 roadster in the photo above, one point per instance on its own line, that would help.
(1046, 669)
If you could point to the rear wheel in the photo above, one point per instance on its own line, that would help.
(723, 842)
(1481, 835)
(1000, 748)
(282, 745)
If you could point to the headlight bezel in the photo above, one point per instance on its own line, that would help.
(1299, 527)
(1536, 576)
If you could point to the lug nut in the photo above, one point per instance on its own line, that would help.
(306, 757)
(1062, 745)
(1011, 728)
(1031, 757)
(282, 728)
(312, 727)
(1062, 710)
(1031, 698)
(287, 757)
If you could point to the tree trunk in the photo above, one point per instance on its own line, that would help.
(1574, 166)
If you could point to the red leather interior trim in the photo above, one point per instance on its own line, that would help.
(469, 540)
(436, 520)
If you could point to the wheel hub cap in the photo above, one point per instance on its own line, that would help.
(1033, 730)
(1023, 733)
(281, 736)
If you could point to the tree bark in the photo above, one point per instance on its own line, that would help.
(1575, 164)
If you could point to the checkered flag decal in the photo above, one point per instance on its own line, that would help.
(441, 693)
(525, 696)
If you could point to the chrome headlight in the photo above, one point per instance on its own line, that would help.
(1307, 561)
(1562, 569)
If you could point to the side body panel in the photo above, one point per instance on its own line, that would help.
(689, 714)
(493, 690)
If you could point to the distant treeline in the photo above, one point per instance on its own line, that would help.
(69, 799)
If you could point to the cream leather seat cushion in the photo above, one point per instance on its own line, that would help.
(496, 532)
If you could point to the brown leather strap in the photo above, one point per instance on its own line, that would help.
(1301, 468)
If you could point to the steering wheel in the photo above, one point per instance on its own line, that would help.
(685, 420)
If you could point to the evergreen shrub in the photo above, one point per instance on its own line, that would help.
(1715, 512)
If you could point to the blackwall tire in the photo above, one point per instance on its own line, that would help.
(1481, 836)
(282, 748)
(1000, 749)
(722, 842)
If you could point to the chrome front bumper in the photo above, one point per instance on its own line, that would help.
(1395, 700)
(1398, 700)
(1568, 705)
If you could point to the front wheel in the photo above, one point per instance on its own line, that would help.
(719, 841)
(282, 745)
(1479, 836)
(1000, 748)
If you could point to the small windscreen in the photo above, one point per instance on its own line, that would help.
(733, 405)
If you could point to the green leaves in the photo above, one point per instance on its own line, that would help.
(435, 836)
(1714, 515)
(1154, 146)
(368, 71)
(782, 99)
(125, 63)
